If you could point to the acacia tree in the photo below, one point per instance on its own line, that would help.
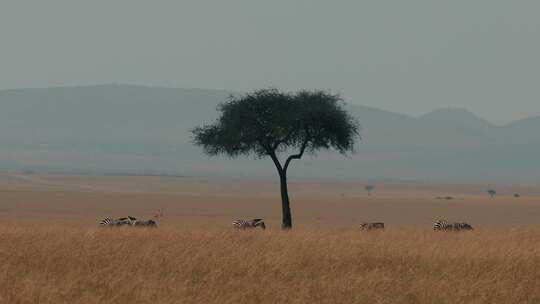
(369, 188)
(281, 126)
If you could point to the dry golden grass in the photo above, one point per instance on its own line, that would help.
(408, 264)
(52, 252)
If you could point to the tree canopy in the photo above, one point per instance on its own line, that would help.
(269, 121)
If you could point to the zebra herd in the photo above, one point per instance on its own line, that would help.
(438, 225)
(131, 221)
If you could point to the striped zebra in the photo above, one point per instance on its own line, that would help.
(131, 221)
(462, 226)
(111, 222)
(243, 224)
(106, 222)
(123, 221)
(151, 223)
(370, 226)
(442, 225)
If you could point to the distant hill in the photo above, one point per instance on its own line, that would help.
(457, 117)
(522, 131)
(125, 129)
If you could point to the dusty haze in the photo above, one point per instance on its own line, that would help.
(405, 56)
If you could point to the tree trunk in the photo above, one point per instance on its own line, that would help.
(285, 206)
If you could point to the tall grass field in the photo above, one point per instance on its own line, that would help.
(409, 264)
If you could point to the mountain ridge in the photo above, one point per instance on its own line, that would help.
(233, 92)
(139, 129)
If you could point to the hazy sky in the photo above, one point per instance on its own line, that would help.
(406, 56)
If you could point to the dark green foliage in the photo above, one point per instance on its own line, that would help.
(268, 121)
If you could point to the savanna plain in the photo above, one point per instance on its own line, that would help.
(52, 250)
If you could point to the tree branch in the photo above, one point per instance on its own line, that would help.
(276, 162)
(285, 139)
(296, 156)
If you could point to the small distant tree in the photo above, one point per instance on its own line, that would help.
(492, 193)
(369, 189)
(281, 126)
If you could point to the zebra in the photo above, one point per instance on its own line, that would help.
(153, 223)
(243, 224)
(146, 223)
(132, 221)
(123, 221)
(442, 225)
(129, 220)
(370, 226)
(110, 222)
(106, 222)
(462, 226)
